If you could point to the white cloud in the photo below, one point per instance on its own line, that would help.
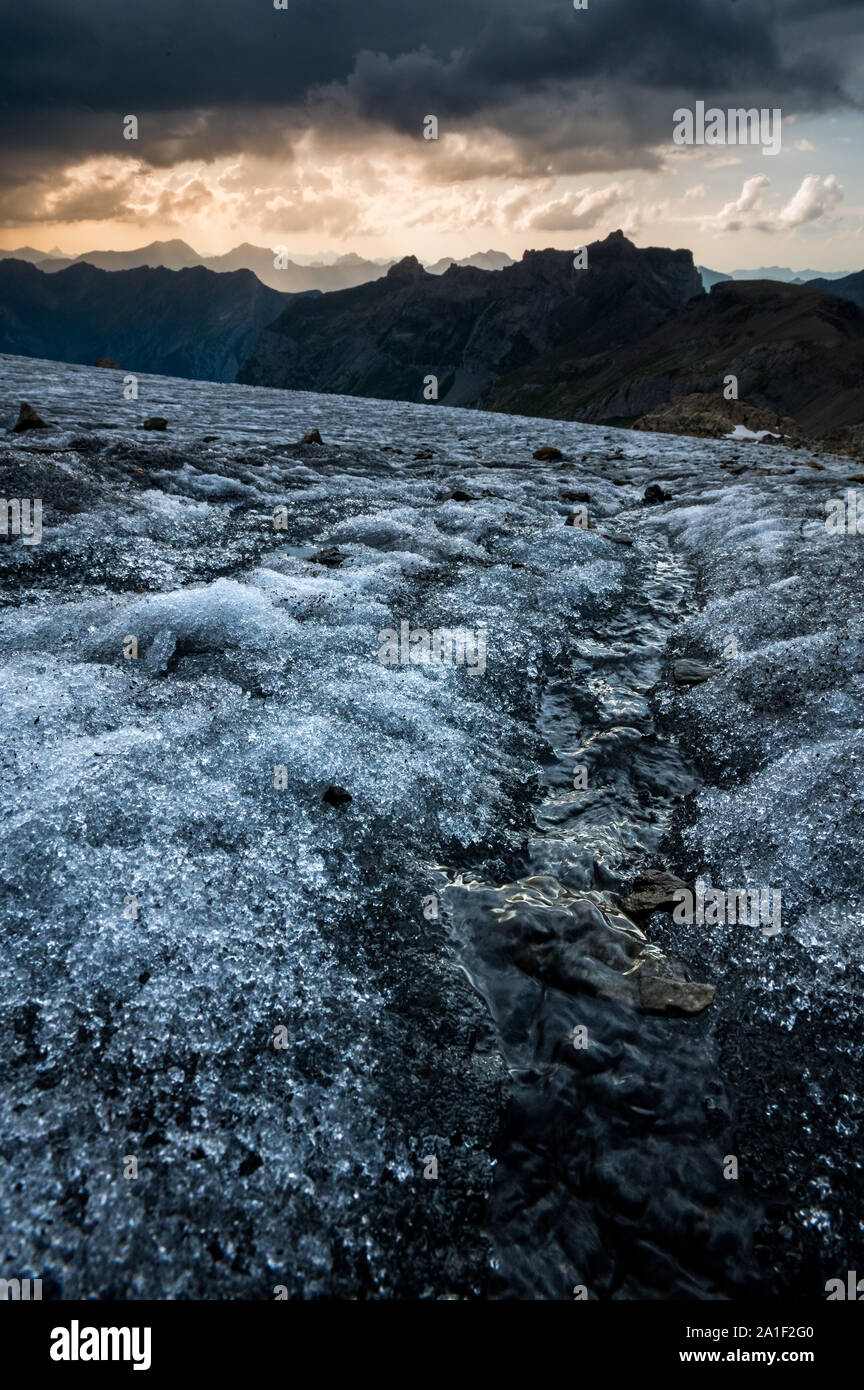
(816, 198)
(575, 210)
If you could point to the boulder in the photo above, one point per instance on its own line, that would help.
(659, 995)
(331, 556)
(28, 420)
(653, 891)
(156, 422)
(687, 672)
(547, 453)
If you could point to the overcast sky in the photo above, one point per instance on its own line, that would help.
(303, 127)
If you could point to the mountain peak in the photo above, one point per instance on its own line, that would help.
(409, 268)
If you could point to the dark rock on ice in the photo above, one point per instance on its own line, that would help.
(156, 422)
(687, 672)
(331, 556)
(313, 437)
(653, 891)
(337, 796)
(654, 493)
(547, 453)
(108, 362)
(660, 995)
(28, 420)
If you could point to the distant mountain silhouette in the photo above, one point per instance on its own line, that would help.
(290, 278)
(187, 323)
(481, 260)
(173, 255)
(26, 253)
(787, 276)
(711, 277)
(848, 287)
(467, 327)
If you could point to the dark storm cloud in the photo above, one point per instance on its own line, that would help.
(215, 77)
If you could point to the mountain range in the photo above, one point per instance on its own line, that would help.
(186, 323)
(793, 349)
(291, 276)
(468, 328)
(608, 343)
(336, 272)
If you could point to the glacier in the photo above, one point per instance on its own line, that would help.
(241, 1017)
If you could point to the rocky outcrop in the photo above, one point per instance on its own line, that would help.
(712, 417)
(794, 350)
(469, 328)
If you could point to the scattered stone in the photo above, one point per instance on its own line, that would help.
(653, 891)
(331, 556)
(687, 672)
(575, 497)
(108, 362)
(615, 536)
(337, 796)
(156, 422)
(313, 437)
(459, 496)
(856, 478)
(658, 995)
(28, 420)
(209, 438)
(548, 454)
(654, 493)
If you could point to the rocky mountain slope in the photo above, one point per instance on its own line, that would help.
(189, 323)
(847, 287)
(794, 350)
(468, 327)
